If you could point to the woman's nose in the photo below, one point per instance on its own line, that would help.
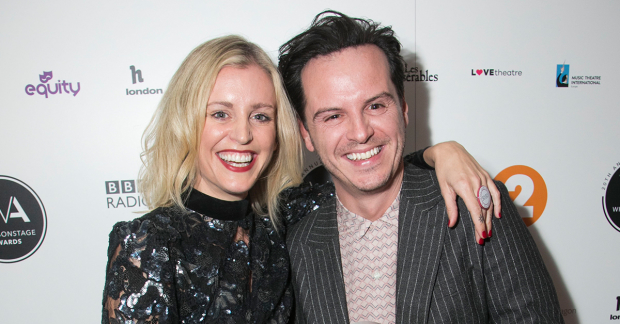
(242, 132)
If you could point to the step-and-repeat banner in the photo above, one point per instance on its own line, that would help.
(527, 87)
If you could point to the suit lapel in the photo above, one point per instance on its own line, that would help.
(326, 274)
(422, 225)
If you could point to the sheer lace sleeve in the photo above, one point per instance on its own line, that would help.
(139, 280)
(417, 158)
(302, 200)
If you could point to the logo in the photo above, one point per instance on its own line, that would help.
(527, 189)
(45, 89)
(611, 197)
(563, 78)
(122, 194)
(562, 74)
(613, 317)
(24, 221)
(136, 76)
(414, 74)
(494, 72)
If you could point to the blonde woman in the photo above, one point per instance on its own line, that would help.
(222, 146)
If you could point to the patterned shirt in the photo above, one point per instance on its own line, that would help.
(368, 251)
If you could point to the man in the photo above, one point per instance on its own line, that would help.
(378, 249)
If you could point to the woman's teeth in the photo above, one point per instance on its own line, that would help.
(363, 156)
(238, 160)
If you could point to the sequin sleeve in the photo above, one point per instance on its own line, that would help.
(417, 158)
(139, 285)
(302, 200)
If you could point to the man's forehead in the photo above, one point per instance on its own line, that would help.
(351, 52)
(361, 71)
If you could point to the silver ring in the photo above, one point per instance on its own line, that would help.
(484, 197)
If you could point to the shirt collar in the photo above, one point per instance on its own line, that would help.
(349, 222)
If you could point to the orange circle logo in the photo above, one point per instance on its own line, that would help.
(527, 190)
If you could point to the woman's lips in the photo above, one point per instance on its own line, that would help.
(237, 161)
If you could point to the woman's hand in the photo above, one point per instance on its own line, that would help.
(460, 174)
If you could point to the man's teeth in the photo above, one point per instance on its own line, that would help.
(363, 156)
(236, 159)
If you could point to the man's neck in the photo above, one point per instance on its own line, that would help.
(370, 204)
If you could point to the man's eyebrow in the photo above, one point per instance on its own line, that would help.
(323, 111)
(383, 95)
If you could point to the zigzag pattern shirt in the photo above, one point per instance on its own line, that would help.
(368, 252)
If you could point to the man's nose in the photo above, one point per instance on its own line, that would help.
(241, 132)
(360, 129)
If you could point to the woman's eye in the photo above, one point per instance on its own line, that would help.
(262, 117)
(219, 115)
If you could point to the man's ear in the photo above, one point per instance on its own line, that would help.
(405, 112)
(306, 136)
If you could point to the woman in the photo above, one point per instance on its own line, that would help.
(188, 260)
(221, 147)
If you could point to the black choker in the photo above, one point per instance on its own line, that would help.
(216, 208)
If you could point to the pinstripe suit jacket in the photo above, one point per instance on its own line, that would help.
(443, 276)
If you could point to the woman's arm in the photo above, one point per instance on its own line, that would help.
(460, 174)
(138, 285)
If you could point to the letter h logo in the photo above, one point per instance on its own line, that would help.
(136, 74)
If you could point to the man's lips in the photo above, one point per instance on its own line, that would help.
(364, 155)
(237, 161)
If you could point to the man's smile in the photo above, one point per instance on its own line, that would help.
(364, 155)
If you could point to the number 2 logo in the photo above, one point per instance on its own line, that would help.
(527, 189)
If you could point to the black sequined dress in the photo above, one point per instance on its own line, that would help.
(192, 266)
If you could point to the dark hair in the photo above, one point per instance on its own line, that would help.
(332, 31)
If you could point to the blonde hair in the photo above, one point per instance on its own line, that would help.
(172, 139)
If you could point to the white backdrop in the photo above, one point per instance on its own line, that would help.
(75, 148)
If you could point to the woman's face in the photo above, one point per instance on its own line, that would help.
(239, 136)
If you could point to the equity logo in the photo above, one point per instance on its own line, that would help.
(45, 89)
(527, 189)
(24, 221)
(127, 194)
(611, 197)
(495, 72)
(414, 74)
(136, 76)
(563, 78)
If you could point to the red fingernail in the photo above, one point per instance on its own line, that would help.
(500, 215)
(490, 233)
(481, 241)
(484, 234)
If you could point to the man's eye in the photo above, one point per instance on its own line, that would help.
(376, 106)
(262, 117)
(331, 117)
(219, 115)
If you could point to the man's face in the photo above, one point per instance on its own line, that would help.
(355, 121)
